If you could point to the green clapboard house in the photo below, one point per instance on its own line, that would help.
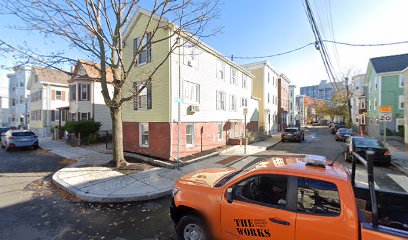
(385, 88)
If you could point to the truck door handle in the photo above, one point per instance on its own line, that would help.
(274, 220)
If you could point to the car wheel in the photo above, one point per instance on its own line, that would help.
(191, 227)
(35, 146)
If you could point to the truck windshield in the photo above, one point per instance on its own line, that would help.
(291, 130)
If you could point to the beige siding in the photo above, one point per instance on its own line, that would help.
(258, 92)
(160, 111)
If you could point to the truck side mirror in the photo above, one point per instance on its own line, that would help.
(230, 194)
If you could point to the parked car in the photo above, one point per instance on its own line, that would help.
(19, 138)
(315, 124)
(361, 145)
(336, 127)
(285, 198)
(343, 133)
(293, 134)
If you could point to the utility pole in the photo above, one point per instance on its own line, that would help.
(179, 104)
(348, 101)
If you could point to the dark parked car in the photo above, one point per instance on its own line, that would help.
(336, 127)
(360, 145)
(343, 133)
(293, 134)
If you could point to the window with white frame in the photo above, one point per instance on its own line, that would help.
(401, 102)
(233, 103)
(233, 80)
(144, 134)
(190, 134)
(142, 43)
(220, 70)
(244, 102)
(143, 100)
(220, 130)
(58, 95)
(57, 115)
(21, 99)
(269, 96)
(362, 119)
(190, 55)
(375, 104)
(376, 121)
(401, 81)
(84, 92)
(221, 103)
(362, 104)
(191, 92)
(244, 81)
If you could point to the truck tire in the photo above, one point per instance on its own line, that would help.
(192, 227)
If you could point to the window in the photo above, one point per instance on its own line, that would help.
(244, 81)
(244, 102)
(144, 134)
(21, 99)
(144, 99)
(84, 92)
(268, 97)
(401, 81)
(376, 121)
(13, 102)
(73, 116)
(363, 104)
(84, 116)
(371, 121)
(58, 95)
(401, 102)
(220, 130)
(375, 104)
(233, 103)
(143, 47)
(22, 83)
(220, 70)
(221, 100)
(318, 197)
(234, 77)
(72, 91)
(273, 80)
(191, 92)
(362, 119)
(189, 134)
(190, 55)
(369, 104)
(264, 189)
(269, 77)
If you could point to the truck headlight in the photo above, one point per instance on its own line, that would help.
(175, 191)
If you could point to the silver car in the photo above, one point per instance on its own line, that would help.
(19, 138)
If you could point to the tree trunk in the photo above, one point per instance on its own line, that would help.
(117, 133)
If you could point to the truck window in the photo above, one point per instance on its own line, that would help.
(265, 189)
(318, 197)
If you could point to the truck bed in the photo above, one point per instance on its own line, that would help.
(392, 211)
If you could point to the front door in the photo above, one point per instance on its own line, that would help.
(259, 210)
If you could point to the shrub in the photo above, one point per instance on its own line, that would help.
(87, 128)
(389, 132)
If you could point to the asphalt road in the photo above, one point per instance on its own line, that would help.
(32, 208)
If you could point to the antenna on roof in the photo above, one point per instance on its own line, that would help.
(335, 160)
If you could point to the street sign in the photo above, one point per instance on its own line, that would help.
(385, 116)
(385, 109)
(245, 111)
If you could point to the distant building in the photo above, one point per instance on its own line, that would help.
(283, 101)
(323, 91)
(48, 92)
(4, 110)
(292, 106)
(300, 112)
(265, 88)
(18, 98)
(359, 102)
(385, 81)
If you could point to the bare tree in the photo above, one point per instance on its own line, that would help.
(96, 29)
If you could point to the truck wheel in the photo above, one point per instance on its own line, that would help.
(191, 227)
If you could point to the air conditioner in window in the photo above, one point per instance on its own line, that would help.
(193, 109)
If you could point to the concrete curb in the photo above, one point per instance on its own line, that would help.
(402, 169)
(273, 145)
(90, 197)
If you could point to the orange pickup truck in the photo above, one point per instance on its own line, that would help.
(286, 198)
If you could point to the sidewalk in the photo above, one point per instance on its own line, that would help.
(102, 184)
(399, 155)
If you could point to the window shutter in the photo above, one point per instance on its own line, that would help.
(63, 96)
(216, 100)
(79, 92)
(136, 43)
(52, 115)
(88, 89)
(53, 95)
(149, 95)
(149, 47)
(79, 116)
(89, 116)
(135, 98)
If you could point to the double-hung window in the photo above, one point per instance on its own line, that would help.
(233, 103)
(244, 81)
(142, 47)
(191, 92)
(143, 99)
(144, 134)
(220, 127)
(234, 77)
(58, 95)
(401, 81)
(221, 103)
(84, 92)
(220, 70)
(401, 102)
(190, 134)
(244, 102)
(190, 55)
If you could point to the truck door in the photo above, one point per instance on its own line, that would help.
(320, 215)
(260, 209)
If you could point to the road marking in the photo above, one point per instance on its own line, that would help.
(400, 179)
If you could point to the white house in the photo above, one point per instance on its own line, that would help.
(265, 88)
(292, 106)
(85, 97)
(48, 92)
(18, 98)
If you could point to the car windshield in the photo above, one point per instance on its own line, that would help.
(345, 131)
(368, 142)
(291, 130)
(22, 134)
(3, 130)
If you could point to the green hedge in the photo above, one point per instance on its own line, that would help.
(87, 128)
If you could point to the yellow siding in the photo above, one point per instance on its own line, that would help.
(160, 111)
(258, 92)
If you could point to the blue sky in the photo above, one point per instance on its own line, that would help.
(264, 27)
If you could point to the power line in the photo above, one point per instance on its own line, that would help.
(277, 54)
